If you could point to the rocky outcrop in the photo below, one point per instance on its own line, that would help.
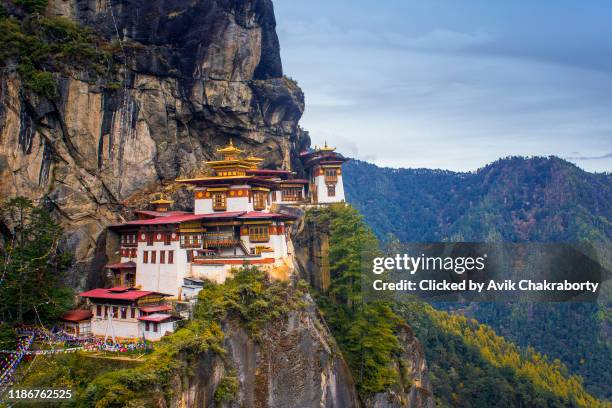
(311, 250)
(192, 74)
(293, 363)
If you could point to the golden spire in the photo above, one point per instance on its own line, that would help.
(230, 152)
(162, 200)
(327, 148)
(254, 161)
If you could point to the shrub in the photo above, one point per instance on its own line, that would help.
(41, 82)
(227, 389)
(33, 6)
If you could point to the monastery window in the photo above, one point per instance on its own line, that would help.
(292, 194)
(133, 312)
(145, 256)
(133, 253)
(153, 257)
(115, 312)
(124, 313)
(331, 190)
(155, 327)
(331, 175)
(150, 238)
(147, 326)
(98, 310)
(219, 202)
(170, 257)
(168, 239)
(162, 257)
(105, 311)
(259, 233)
(190, 240)
(259, 200)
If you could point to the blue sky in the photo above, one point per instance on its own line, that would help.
(453, 84)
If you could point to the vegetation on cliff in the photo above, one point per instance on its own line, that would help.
(367, 333)
(30, 265)
(249, 298)
(43, 46)
(469, 364)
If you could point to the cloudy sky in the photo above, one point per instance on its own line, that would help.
(453, 84)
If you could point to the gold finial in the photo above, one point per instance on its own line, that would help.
(327, 148)
(230, 150)
(161, 200)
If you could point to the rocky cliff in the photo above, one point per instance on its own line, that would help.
(186, 76)
(189, 75)
(294, 363)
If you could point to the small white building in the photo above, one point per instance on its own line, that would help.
(324, 167)
(77, 322)
(118, 313)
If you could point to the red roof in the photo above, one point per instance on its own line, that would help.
(159, 308)
(262, 215)
(122, 265)
(117, 289)
(117, 294)
(159, 213)
(177, 219)
(155, 317)
(76, 315)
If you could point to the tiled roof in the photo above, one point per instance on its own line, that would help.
(76, 315)
(159, 213)
(262, 215)
(158, 308)
(155, 317)
(118, 294)
(177, 219)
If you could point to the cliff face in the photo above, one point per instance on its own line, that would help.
(294, 363)
(192, 75)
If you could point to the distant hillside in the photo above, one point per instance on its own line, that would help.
(513, 199)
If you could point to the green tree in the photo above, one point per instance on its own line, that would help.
(366, 332)
(30, 264)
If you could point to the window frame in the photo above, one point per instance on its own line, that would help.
(331, 190)
(259, 233)
(219, 201)
(259, 200)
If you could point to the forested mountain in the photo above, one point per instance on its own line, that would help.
(514, 199)
(469, 365)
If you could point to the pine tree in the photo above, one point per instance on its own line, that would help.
(30, 264)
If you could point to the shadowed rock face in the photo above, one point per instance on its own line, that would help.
(198, 72)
